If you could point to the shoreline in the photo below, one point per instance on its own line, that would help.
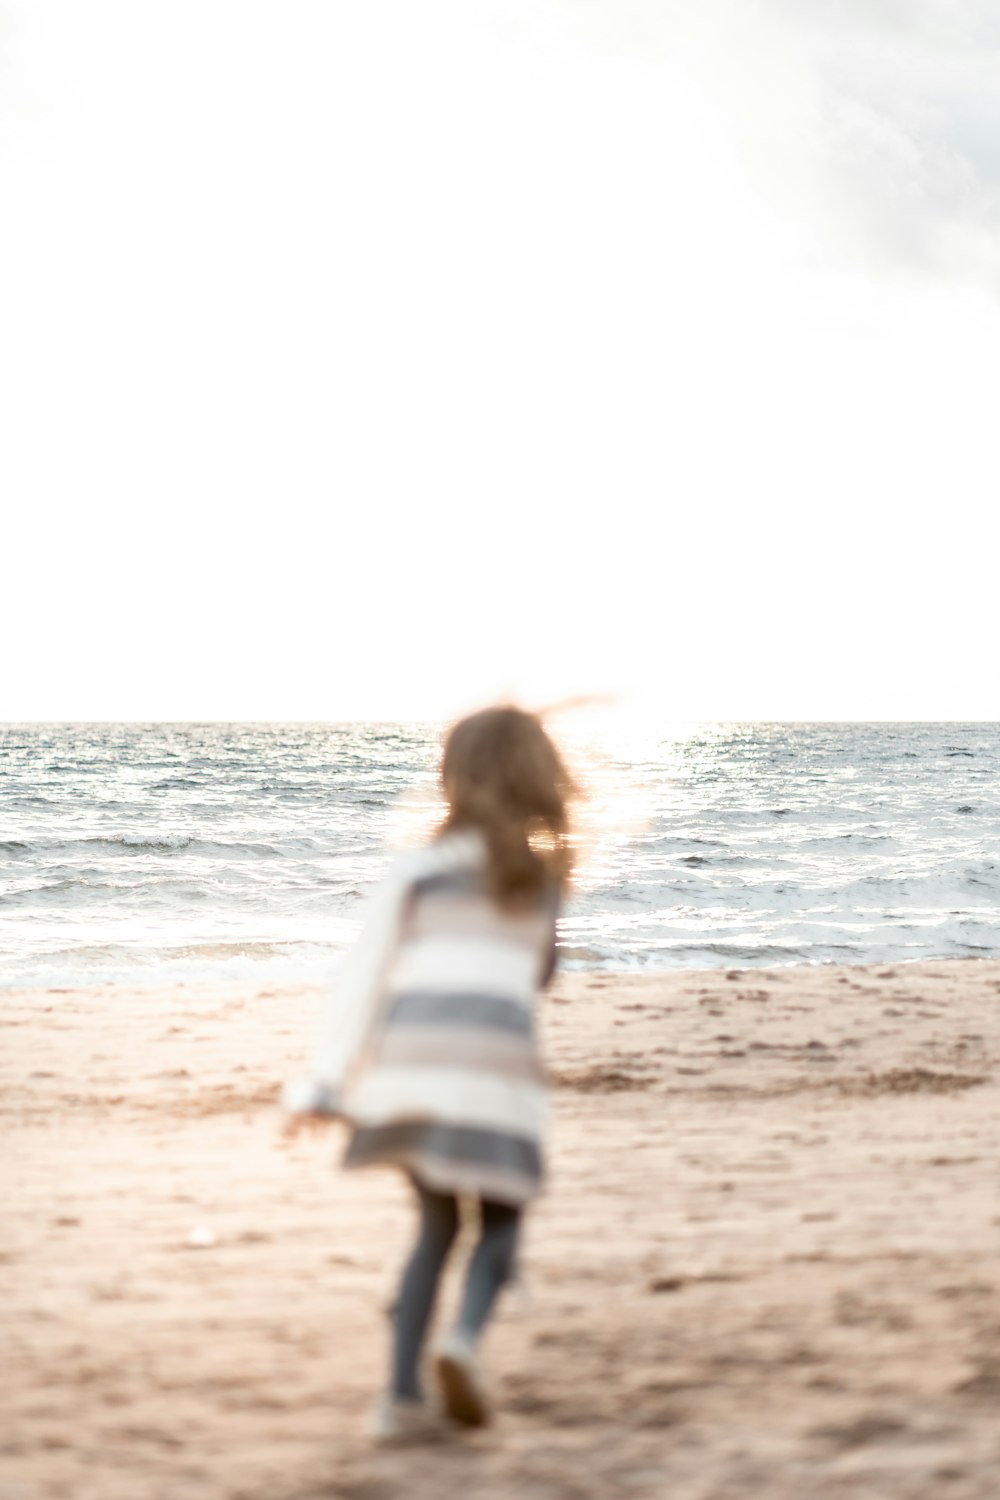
(312, 982)
(766, 1263)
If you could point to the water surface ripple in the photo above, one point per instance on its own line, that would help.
(158, 852)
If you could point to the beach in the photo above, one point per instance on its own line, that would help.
(766, 1264)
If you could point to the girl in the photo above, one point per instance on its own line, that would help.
(429, 1047)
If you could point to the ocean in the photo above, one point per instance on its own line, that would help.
(185, 852)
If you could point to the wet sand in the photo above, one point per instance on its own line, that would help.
(767, 1265)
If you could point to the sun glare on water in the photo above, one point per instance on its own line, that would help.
(618, 752)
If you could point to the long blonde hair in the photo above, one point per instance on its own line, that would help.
(503, 775)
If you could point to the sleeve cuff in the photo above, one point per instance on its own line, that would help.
(308, 1096)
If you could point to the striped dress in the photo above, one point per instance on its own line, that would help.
(441, 1075)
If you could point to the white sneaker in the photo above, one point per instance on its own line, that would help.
(465, 1399)
(395, 1423)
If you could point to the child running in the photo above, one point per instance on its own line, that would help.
(429, 1049)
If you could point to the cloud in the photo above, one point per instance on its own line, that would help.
(905, 126)
(874, 125)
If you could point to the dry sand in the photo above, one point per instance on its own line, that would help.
(766, 1267)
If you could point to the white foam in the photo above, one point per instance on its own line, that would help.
(182, 853)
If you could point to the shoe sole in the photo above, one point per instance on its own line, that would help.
(463, 1401)
(408, 1437)
(426, 1438)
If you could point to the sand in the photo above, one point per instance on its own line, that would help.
(767, 1265)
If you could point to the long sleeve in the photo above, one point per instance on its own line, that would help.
(550, 960)
(352, 1004)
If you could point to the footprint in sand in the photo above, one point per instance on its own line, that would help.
(872, 1427)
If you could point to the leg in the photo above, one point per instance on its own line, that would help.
(465, 1399)
(417, 1293)
(490, 1268)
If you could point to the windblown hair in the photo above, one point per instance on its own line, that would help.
(502, 774)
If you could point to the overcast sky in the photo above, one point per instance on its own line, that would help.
(369, 358)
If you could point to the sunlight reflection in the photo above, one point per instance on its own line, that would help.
(624, 757)
(618, 755)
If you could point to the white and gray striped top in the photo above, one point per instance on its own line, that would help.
(436, 1065)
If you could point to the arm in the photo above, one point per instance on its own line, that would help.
(352, 1004)
(550, 958)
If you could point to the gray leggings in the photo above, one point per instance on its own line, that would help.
(491, 1265)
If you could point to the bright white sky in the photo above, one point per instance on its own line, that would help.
(369, 358)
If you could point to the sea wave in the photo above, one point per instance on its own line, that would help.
(153, 850)
(133, 844)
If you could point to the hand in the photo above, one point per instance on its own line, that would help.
(294, 1126)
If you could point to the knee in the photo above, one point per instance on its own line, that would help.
(438, 1233)
(499, 1248)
